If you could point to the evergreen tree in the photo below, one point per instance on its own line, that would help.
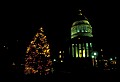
(37, 59)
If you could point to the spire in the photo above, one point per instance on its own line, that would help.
(80, 12)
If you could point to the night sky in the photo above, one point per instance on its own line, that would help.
(21, 22)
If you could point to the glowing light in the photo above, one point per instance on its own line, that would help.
(95, 53)
(93, 56)
(54, 60)
(111, 59)
(32, 42)
(101, 49)
(13, 63)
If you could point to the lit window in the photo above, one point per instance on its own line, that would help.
(59, 51)
(59, 56)
(76, 49)
(80, 53)
(61, 60)
(91, 45)
(84, 53)
(86, 45)
(79, 46)
(72, 44)
(73, 50)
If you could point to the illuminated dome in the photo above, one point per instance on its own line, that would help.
(81, 27)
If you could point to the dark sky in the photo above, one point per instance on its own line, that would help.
(21, 21)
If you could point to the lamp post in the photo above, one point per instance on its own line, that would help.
(94, 55)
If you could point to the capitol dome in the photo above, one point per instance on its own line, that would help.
(81, 27)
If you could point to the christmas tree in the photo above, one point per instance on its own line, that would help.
(37, 60)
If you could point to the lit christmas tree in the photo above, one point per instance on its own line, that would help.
(37, 60)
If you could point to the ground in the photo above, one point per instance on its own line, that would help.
(66, 76)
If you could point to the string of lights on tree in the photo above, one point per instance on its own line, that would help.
(37, 59)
